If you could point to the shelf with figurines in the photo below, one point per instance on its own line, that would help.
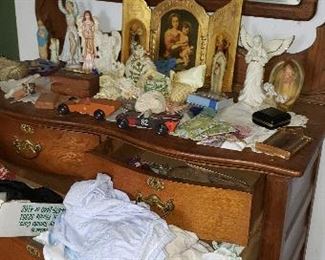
(170, 80)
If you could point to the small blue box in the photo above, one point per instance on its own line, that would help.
(203, 101)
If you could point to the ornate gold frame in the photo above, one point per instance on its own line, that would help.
(225, 22)
(134, 11)
(298, 83)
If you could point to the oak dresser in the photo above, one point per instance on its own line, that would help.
(251, 199)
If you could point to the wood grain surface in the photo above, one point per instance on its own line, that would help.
(304, 11)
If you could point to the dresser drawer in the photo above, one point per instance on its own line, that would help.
(20, 248)
(44, 148)
(220, 208)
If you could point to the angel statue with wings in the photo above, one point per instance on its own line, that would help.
(259, 53)
(71, 47)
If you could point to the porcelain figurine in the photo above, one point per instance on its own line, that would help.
(259, 53)
(109, 48)
(87, 27)
(138, 63)
(219, 66)
(54, 48)
(42, 40)
(114, 85)
(71, 47)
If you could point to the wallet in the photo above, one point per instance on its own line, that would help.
(271, 118)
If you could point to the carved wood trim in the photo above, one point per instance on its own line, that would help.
(302, 12)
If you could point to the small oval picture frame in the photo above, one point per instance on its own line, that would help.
(287, 77)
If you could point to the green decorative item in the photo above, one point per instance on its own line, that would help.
(201, 127)
(154, 80)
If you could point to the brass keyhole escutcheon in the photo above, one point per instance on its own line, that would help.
(27, 129)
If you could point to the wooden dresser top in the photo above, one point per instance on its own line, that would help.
(180, 148)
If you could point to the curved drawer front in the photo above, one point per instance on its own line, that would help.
(211, 212)
(20, 248)
(47, 149)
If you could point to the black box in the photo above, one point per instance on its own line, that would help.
(271, 118)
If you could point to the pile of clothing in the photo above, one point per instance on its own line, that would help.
(101, 222)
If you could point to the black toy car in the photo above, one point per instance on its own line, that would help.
(161, 123)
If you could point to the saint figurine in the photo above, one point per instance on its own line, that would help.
(54, 48)
(87, 31)
(219, 66)
(42, 40)
(71, 47)
(258, 55)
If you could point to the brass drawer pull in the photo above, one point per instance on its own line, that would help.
(33, 251)
(26, 148)
(155, 183)
(154, 201)
(26, 129)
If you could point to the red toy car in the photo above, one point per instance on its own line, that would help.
(161, 123)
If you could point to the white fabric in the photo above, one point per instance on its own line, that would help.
(187, 246)
(101, 223)
(54, 252)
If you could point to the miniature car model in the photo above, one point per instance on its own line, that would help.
(99, 108)
(161, 123)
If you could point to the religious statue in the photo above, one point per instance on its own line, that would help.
(54, 48)
(108, 50)
(259, 53)
(88, 26)
(42, 40)
(71, 47)
(219, 65)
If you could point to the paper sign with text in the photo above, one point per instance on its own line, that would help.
(20, 218)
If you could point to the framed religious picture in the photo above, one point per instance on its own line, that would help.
(287, 77)
(179, 34)
(224, 26)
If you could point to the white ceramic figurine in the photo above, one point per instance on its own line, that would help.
(259, 53)
(71, 47)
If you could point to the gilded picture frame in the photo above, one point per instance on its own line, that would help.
(196, 46)
(224, 25)
(287, 77)
(135, 25)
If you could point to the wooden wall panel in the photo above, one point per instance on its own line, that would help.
(302, 12)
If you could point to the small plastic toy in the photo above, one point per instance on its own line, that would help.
(99, 108)
(161, 123)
